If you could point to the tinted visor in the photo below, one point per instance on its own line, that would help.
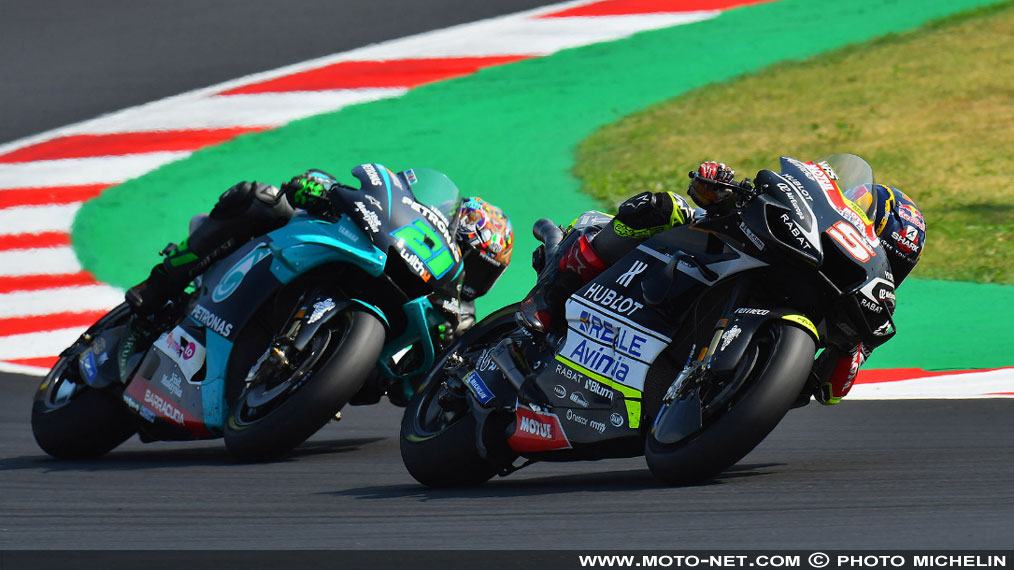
(865, 197)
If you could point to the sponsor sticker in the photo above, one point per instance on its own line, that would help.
(609, 344)
(579, 399)
(371, 173)
(210, 320)
(612, 300)
(636, 269)
(730, 335)
(581, 420)
(751, 236)
(370, 218)
(88, 367)
(232, 278)
(321, 308)
(182, 349)
(536, 431)
(478, 388)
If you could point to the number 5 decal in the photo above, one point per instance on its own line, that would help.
(849, 237)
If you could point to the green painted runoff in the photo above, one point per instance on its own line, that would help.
(508, 134)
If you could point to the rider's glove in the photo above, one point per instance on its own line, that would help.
(704, 190)
(310, 191)
(716, 171)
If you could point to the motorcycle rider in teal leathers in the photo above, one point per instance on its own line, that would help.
(896, 220)
(250, 209)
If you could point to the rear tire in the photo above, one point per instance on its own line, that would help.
(330, 371)
(71, 420)
(439, 446)
(785, 357)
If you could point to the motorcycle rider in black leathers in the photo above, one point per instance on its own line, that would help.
(897, 221)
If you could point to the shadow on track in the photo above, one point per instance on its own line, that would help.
(153, 458)
(603, 481)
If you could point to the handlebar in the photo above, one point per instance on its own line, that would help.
(546, 231)
(743, 188)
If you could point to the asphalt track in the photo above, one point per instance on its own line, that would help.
(870, 475)
(65, 62)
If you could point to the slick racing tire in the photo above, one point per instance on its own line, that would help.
(438, 445)
(280, 408)
(776, 364)
(71, 420)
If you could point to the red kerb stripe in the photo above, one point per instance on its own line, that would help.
(32, 241)
(9, 284)
(49, 195)
(896, 374)
(81, 146)
(53, 322)
(363, 74)
(627, 7)
(41, 362)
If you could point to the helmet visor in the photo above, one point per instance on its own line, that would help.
(865, 197)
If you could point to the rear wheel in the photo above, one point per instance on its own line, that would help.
(71, 420)
(772, 373)
(438, 431)
(288, 395)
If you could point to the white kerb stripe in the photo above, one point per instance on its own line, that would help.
(42, 261)
(79, 171)
(60, 300)
(36, 219)
(967, 385)
(37, 345)
(535, 37)
(223, 111)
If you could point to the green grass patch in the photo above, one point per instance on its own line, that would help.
(932, 110)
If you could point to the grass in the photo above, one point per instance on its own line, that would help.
(932, 110)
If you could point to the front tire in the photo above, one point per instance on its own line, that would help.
(281, 409)
(71, 420)
(777, 363)
(438, 443)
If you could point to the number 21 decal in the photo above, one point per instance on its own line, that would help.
(849, 237)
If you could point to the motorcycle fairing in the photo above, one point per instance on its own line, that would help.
(228, 291)
(536, 431)
(613, 337)
(386, 210)
(165, 391)
(739, 328)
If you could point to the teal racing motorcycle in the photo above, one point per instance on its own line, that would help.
(270, 342)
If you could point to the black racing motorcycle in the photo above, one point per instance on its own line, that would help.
(689, 350)
(274, 339)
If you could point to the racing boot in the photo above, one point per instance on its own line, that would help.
(243, 211)
(543, 308)
(165, 280)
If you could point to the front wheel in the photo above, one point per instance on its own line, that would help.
(288, 397)
(438, 430)
(774, 368)
(71, 420)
